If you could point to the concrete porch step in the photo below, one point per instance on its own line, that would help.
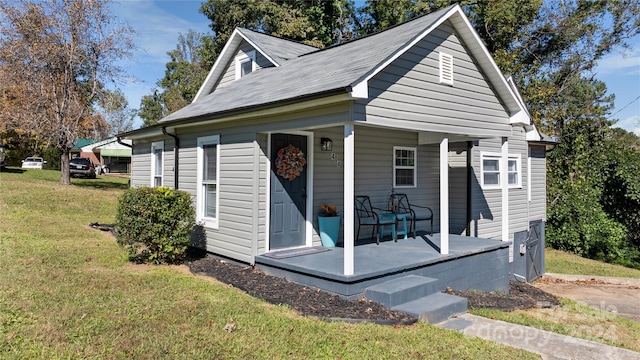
(401, 290)
(434, 308)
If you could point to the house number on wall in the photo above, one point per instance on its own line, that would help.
(334, 157)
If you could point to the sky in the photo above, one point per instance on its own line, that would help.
(159, 22)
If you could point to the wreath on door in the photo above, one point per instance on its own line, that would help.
(290, 162)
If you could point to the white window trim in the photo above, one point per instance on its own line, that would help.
(414, 167)
(240, 58)
(498, 156)
(156, 145)
(446, 68)
(207, 222)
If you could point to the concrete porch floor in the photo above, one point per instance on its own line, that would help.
(471, 263)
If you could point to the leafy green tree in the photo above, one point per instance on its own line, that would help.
(152, 109)
(116, 111)
(55, 55)
(186, 70)
(316, 23)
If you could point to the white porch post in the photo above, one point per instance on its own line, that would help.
(504, 181)
(444, 196)
(349, 221)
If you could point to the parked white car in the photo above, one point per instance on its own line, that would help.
(33, 163)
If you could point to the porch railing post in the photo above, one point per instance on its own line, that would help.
(349, 221)
(444, 196)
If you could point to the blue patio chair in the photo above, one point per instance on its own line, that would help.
(414, 213)
(367, 216)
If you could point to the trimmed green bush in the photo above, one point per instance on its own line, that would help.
(154, 224)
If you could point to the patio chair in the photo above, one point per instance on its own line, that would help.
(414, 213)
(367, 216)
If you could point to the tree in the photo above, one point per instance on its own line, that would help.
(116, 112)
(152, 109)
(58, 54)
(316, 23)
(551, 49)
(186, 70)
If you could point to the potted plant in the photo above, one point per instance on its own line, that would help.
(329, 225)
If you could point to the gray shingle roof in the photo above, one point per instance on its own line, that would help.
(331, 69)
(278, 49)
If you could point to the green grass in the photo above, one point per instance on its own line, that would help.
(577, 320)
(565, 263)
(67, 291)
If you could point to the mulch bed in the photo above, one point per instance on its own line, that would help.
(316, 303)
(520, 296)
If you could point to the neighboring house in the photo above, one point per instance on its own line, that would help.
(112, 154)
(77, 151)
(420, 108)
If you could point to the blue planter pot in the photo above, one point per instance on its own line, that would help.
(329, 230)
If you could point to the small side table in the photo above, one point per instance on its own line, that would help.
(390, 219)
(401, 227)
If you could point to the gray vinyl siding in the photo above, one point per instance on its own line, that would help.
(407, 93)
(229, 74)
(236, 235)
(141, 163)
(328, 177)
(487, 203)
(243, 174)
(374, 170)
(518, 204)
(538, 203)
(457, 188)
(263, 206)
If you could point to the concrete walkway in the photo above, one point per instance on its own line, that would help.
(548, 344)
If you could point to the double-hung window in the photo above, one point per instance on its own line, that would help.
(245, 64)
(490, 168)
(404, 166)
(157, 149)
(208, 192)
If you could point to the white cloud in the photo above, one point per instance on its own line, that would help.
(156, 29)
(631, 124)
(157, 25)
(626, 62)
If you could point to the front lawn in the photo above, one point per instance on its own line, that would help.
(565, 263)
(67, 291)
(575, 319)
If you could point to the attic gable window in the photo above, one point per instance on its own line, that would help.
(245, 63)
(446, 69)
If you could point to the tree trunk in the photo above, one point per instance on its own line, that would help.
(65, 177)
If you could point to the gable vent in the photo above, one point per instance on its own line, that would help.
(446, 69)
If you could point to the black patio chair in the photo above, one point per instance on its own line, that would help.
(367, 216)
(414, 213)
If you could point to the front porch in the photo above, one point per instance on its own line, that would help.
(472, 263)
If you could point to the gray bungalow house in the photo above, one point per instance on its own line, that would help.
(279, 128)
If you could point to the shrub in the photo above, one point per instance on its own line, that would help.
(155, 224)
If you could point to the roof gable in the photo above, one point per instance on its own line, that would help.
(345, 68)
(275, 50)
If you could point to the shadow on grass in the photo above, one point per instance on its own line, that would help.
(13, 170)
(100, 183)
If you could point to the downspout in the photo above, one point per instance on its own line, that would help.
(469, 188)
(176, 149)
(123, 143)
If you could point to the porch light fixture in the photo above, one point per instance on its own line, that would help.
(326, 144)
